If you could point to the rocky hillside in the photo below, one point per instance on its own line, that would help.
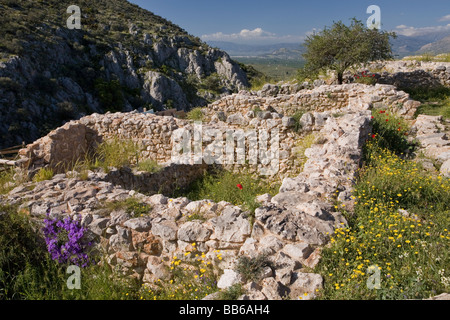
(123, 58)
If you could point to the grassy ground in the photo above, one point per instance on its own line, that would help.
(434, 101)
(237, 188)
(409, 250)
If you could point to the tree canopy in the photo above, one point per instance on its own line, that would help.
(340, 47)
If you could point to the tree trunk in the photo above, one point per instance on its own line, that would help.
(340, 77)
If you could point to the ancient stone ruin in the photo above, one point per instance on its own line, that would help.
(290, 227)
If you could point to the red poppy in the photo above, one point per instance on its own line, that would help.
(387, 120)
(382, 111)
(240, 186)
(373, 136)
(373, 117)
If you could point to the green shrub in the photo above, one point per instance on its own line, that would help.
(231, 293)
(212, 83)
(251, 268)
(6, 180)
(297, 116)
(110, 94)
(195, 114)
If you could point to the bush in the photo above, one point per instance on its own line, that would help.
(297, 116)
(195, 114)
(212, 83)
(110, 95)
(6, 180)
(251, 268)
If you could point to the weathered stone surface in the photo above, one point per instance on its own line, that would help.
(193, 231)
(298, 251)
(230, 226)
(445, 168)
(138, 224)
(305, 283)
(272, 289)
(167, 230)
(229, 278)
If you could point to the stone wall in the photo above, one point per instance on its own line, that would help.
(289, 228)
(411, 74)
(239, 112)
(320, 99)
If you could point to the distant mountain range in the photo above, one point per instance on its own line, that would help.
(438, 42)
(285, 51)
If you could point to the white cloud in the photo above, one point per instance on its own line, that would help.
(445, 18)
(245, 35)
(413, 31)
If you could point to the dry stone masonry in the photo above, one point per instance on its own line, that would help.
(290, 227)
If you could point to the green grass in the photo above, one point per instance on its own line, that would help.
(149, 165)
(435, 101)
(222, 186)
(117, 153)
(232, 293)
(301, 146)
(6, 180)
(429, 57)
(43, 174)
(391, 131)
(132, 206)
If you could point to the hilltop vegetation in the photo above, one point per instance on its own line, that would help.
(123, 58)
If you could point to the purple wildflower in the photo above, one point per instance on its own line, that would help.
(64, 240)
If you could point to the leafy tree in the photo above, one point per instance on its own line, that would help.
(340, 47)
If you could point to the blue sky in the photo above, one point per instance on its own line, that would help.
(263, 21)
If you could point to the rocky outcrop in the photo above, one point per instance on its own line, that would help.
(84, 71)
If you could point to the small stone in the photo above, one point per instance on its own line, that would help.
(229, 278)
(138, 224)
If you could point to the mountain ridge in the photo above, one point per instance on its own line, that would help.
(123, 58)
